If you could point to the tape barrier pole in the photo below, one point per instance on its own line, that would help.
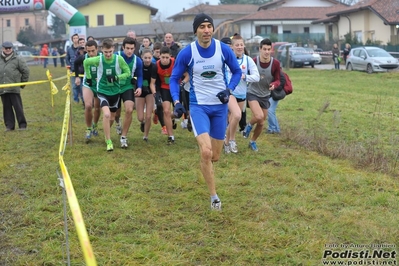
(72, 199)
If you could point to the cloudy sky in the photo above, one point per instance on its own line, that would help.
(169, 8)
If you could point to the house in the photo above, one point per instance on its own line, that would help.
(12, 23)
(225, 13)
(154, 30)
(100, 13)
(367, 21)
(288, 20)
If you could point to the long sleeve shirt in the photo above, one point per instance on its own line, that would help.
(206, 68)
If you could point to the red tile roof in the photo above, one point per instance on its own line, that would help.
(292, 13)
(387, 10)
(219, 9)
(275, 3)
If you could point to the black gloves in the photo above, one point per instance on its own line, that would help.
(112, 79)
(179, 110)
(89, 82)
(182, 85)
(133, 81)
(224, 96)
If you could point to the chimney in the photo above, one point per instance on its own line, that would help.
(207, 3)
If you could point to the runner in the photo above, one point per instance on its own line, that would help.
(129, 88)
(205, 60)
(249, 74)
(89, 92)
(111, 69)
(258, 93)
(160, 84)
(146, 99)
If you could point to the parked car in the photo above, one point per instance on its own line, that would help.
(283, 48)
(370, 59)
(298, 57)
(275, 47)
(26, 55)
(316, 56)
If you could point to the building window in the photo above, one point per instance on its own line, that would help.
(26, 22)
(119, 20)
(306, 29)
(87, 20)
(359, 36)
(373, 36)
(8, 23)
(265, 29)
(100, 20)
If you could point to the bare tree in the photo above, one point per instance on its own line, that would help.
(196, 2)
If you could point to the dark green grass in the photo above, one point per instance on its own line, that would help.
(149, 204)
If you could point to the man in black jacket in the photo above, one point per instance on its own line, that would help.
(169, 42)
(14, 70)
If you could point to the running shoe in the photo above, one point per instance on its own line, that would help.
(226, 148)
(253, 146)
(171, 141)
(247, 130)
(233, 146)
(142, 126)
(183, 124)
(155, 118)
(119, 128)
(216, 205)
(110, 146)
(145, 139)
(88, 135)
(94, 130)
(123, 142)
(164, 130)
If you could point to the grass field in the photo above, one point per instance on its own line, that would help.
(329, 178)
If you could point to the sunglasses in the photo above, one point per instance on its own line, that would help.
(7, 48)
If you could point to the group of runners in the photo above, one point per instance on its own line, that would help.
(209, 82)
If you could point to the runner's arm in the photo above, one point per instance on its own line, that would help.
(90, 62)
(126, 73)
(181, 64)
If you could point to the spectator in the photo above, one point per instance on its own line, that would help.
(44, 52)
(170, 43)
(61, 52)
(54, 53)
(347, 50)
(335, 55)
(15, 70)
(70, 60)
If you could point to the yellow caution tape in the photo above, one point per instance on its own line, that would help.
(72, 199)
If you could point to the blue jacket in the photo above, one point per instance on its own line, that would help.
(71, 56)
